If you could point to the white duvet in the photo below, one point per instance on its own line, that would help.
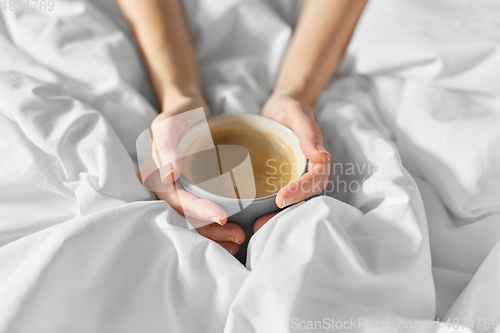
(412, 115)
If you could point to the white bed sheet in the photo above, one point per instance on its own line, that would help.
(415, 105)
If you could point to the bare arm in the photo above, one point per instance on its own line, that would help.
(320, 39)
(162, 31)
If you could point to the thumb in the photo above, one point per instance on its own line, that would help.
(168, 159)
(166, 132)
(310, 138)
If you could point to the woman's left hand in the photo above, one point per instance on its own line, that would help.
(299, 117)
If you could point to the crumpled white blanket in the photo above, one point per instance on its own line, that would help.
(408, 236)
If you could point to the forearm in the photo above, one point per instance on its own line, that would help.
(320, 39)
(162, 32)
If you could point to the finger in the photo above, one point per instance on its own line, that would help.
(311, 183)
(168, 159)
(262, 220)
(164, 151)
(231, 247)
(187, 204)
(150, 177)
(230, 232)
(310, 138)
(148, 167)
(166, 132)
(300, 119)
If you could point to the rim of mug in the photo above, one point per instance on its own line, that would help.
(185, 179)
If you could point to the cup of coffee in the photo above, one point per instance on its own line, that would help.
(240, 162)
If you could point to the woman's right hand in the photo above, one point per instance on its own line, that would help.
(162, 33)
(209, 219)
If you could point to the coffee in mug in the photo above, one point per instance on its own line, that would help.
(273, 162)
(240, 162)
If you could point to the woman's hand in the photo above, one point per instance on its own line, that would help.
(168, 127)
(163, 35)
(299, 117)
(318, 43)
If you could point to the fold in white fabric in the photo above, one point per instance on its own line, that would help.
(405, 238)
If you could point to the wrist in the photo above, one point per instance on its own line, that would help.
(301, 89)
(174, 94)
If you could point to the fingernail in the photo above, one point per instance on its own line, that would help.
(322, 149)
(234, 240)
(216, 220)
(286, 201)
(231, 251)
(166, 171)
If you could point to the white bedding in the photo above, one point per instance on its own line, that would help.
(415, 106)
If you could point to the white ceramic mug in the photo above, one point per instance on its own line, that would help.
(241, 211)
